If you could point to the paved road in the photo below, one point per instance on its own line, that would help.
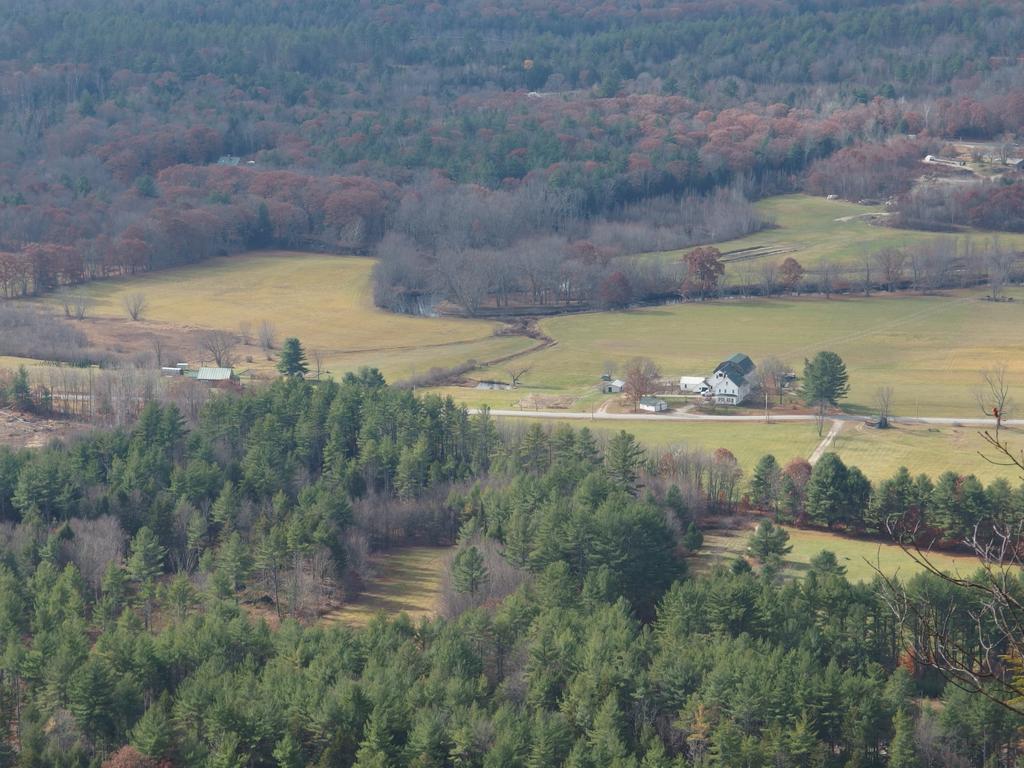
(603, 416)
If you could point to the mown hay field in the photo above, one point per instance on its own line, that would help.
(813, 230)
(405, 580)
(326, 301)
(878, 453)
(930, 349)
(860, 557)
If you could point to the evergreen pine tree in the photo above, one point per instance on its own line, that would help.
(153, 734)
(469, 573)
(766, 484)
(604, 737)
(826, 494)
(91, 698)
(769, 542)
(292, 361)
(902, 750)
(287, 753)
(623, 459)
(377, 749)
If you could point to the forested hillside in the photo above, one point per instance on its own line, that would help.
(123, 124)
(142, 572)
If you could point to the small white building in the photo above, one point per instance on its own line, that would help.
(652, 404)
(696, 385)
(614, 386)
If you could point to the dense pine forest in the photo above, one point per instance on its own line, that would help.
(162, 587)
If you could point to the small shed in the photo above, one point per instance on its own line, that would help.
(652, 404)
(693, 384)
(214, 375)
(612, 387)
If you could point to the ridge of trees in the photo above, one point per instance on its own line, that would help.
(131, 561)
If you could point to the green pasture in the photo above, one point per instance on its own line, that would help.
(817, 230)
(930, 349)
(860, 557)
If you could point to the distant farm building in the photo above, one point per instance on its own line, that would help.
(612, 386)
(936, 160)
(695, 385)
(730, 383)
(652, 404)
(214, 375)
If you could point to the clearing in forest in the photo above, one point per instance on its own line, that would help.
(406, 580)
(856, 555)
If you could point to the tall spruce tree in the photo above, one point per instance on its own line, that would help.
(292, 361)
(825, 383)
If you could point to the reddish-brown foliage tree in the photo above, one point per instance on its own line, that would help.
(704, 268)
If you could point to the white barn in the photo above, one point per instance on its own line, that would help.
(730, 383)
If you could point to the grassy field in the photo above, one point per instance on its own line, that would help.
(857, 556)
(930, 349)
(808, 225)
(878, 453)
(748, 441)
(326, 301)
(404, 580)
(932, 450)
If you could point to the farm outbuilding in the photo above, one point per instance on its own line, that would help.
(652, 404)
(613, 386)
(694, 384)
(214, 375)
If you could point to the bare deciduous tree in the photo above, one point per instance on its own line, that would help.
(883, 402)
(268, 336)
(245, 331)
(771, 377)
(998, 265)
(516, 372)
(993, 395)
(317, 358)
(76, 304)
(219, 345)
(769, 277)
(158, 349)
(890, 262)
(641, 379)
(94, 545)
(135, 305)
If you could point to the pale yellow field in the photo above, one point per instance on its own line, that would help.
(13, 363)
(325, 301)
(405, 580)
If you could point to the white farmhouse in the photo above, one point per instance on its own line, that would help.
(730, 383)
